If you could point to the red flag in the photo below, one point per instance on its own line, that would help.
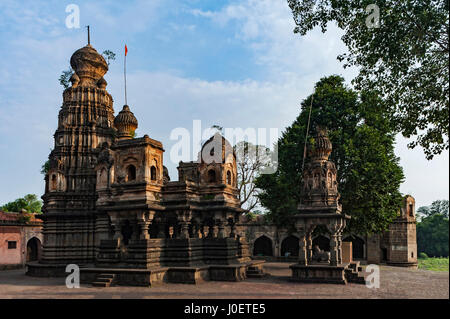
(126, 50)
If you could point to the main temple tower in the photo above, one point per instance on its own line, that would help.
(85, 122)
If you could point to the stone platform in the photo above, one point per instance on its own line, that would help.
(412, 265)
(324, 273)
(36, 269)
(153, 276)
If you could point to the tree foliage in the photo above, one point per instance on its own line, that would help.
(369, 174)
(251, 160)
(30, 203)
(432, 235)
(437, 207)
(405, 58)
(109, 56)
(45, 167)
(64, 78)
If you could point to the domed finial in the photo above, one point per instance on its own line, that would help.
(125, 123)
(321, 148)
(89, 65)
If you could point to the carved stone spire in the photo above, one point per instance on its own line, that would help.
(319, 191)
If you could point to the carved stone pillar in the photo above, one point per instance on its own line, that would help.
(221, 227)
(302, 254)
(184, 230)
(207, 231)
(144, 229)
(309, 250)
(144, 220)
(184, 218)
(333, 250)
(339, 248)
(232, 224)
(115, 223)
(214, 230)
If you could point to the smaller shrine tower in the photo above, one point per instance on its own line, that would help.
(402, 236)
(319, 206)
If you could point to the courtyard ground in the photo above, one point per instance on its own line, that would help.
(394, 283)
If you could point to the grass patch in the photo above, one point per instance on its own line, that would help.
(434, 264)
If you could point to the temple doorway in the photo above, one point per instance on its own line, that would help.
(262, 246)
(290, 246)
(33, 249)
(357, 246)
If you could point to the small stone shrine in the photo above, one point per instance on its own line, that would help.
(319, 206)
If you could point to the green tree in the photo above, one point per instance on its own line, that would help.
(432, 235)
(251, 160)
(64, 78)
(45, 167)
(437, 207)
(363, 151)
(30, 203)
(405, 58)
(109, 56)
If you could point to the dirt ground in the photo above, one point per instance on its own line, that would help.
(395, 283)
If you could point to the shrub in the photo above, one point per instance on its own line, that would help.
(423, 255)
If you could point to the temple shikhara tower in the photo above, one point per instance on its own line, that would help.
(110, 207)
(85, 122)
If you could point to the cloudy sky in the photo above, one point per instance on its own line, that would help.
(230, 63)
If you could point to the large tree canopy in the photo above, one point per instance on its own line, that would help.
(405, 57)
(369, 175)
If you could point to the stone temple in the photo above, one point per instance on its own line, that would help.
(110, 207)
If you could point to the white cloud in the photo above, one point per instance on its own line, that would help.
(267, 26)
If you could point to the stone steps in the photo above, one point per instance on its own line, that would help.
(255, 272)
(104, 280)
(355, 276)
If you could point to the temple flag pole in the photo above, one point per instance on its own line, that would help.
(125, 73)
(307, 131)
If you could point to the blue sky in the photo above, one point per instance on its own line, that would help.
(231, 63)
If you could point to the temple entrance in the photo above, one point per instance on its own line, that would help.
(33, 249)
(383, 254)
(262, 246)
(290, 246)
(357, 246)
(322, 241)
(127, 231)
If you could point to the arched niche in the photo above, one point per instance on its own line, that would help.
(290, 245)
(262, 246)
(358, 246)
